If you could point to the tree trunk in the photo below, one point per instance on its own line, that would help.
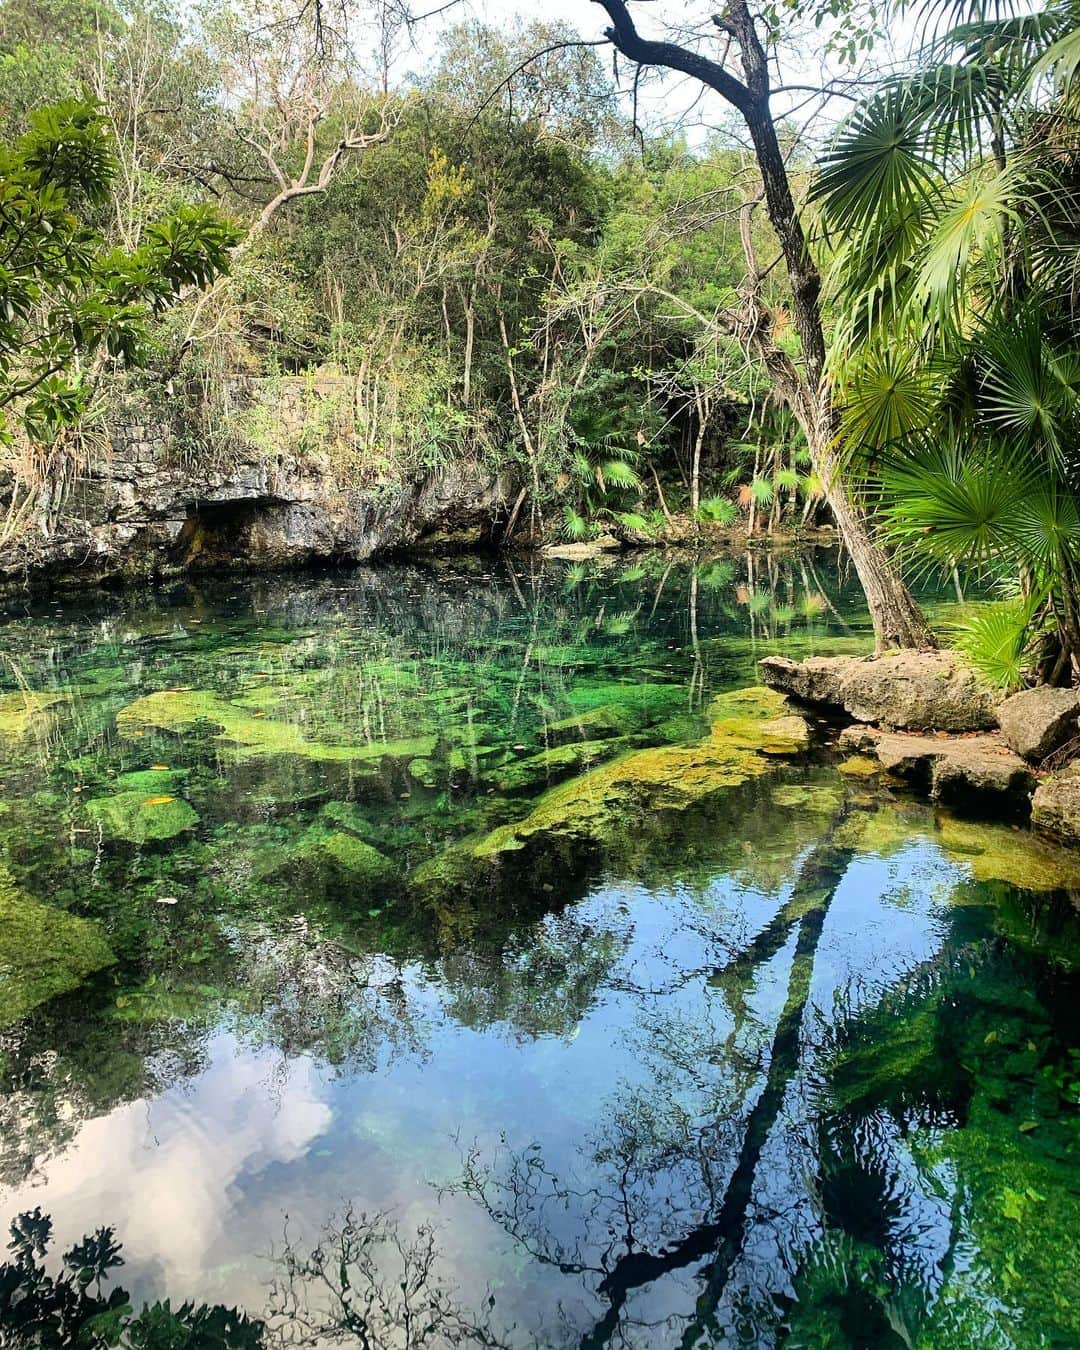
(897, 619)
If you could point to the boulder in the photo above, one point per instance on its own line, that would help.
(815, 680)
(1036, 722)
(979, 772)
(1056, 805)
(909, 690)
(919, 691)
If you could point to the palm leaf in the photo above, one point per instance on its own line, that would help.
(878, 165)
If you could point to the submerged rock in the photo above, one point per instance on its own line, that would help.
(1055, 807)
(24, 713)
(340, 861)
(750, 727)
(980, 772)
(135, 818)
(1036, 722)
(991, 850)
(597, 724)
(910, 690)
(179, 710)
(43, 951)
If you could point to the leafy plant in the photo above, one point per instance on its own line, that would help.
(72, 1307)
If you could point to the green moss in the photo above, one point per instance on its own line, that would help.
(43, 951)
(151, 782)
(600, 804)
(551, 765)
(340, 861)
(820, 799)
(424, 771)
(859, 766)
(347, 816)
(643, 703)
(995, 852)
(24, 713)
(177, 710)
(135, 818)
(596, 724)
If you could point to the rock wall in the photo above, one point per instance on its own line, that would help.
(141, 511)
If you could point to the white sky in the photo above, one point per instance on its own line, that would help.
(665, 100)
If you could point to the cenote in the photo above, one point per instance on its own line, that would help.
(462, 935)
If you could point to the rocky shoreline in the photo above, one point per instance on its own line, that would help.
(922, 718)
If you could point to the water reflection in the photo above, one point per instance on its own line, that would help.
(786, 1065)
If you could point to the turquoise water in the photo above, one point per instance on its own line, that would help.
(784, 1059)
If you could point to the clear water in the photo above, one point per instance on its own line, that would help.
(795, 1062)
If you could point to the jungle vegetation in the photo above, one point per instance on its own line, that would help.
(869, 315)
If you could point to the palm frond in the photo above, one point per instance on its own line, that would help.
(995, 642)
(879, 164)
(944, 507)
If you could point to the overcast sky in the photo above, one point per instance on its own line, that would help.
(667, 100)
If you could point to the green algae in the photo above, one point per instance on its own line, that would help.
(340, 861)
(179, 710)
(151, 782)
(43, 951)
(424, 771)
(25, 713)
(749, 727)
(521, 775)
(988, 850)
(819, 798)
(604, 722)
(134, 818)
(996, 852)
(859, 766)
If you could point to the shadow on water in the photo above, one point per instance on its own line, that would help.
(766, 1057)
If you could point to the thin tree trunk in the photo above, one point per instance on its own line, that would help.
(898, 622)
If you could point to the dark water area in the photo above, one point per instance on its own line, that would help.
(422, 917)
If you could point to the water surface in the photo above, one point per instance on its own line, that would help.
(797, 1064)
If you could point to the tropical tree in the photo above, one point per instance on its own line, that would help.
(69, 303)
(953, 198)
(747, 37)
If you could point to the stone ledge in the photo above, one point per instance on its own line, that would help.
(979, 772)
(916, 691)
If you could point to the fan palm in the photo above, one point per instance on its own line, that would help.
(953, 200)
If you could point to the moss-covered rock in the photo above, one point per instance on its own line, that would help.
(24, 713)
(43, 951)
(135, 818)
(749, 727)
(550, 765)
(151, 782)
(994, 852)
(597, 724)
(179, 710)
(347, 816)
(424, 771)
(859, 766)
(339, 861)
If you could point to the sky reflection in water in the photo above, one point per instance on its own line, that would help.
(767, 1077)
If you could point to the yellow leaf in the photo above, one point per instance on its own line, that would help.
(160, 767)
(157, 801)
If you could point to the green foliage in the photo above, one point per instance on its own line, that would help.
(65, 295)
(717, 511)
(996, 642)
(952, 196)
(72, 1307)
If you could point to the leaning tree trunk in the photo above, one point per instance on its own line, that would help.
(897, 619)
